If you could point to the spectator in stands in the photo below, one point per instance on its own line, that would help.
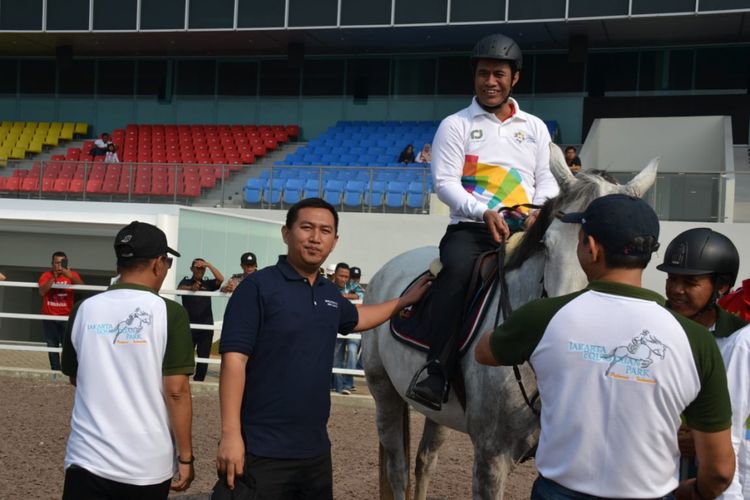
(473, 150)
(128, 352)
(347, 350)
(111, 155)
(249, 265)
(57, 301)
(330, 271)
(277, 347)
(425, 156)
(738, 302)
(100, 145)
(355, 276)
(572, 159)
(199, 309)
(407, 155)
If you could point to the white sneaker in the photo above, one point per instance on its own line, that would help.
(345, 392)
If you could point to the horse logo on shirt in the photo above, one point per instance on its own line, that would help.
(133, 325)
(639, 354)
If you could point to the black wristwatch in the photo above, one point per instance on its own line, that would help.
(186, 462)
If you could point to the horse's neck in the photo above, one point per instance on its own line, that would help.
(526, 283)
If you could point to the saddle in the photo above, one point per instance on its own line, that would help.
(412, 326)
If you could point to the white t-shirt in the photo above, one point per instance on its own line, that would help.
(111, 157)
(735, 350)
(480, 162)
(119, 426)
(99, 143)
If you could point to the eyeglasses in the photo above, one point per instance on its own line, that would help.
(168, 260)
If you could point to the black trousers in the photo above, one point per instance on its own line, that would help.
(81, 484)
(289, 479)
(54, 332)
(459, 248)
(202, 340)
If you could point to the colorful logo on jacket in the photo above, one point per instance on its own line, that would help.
(503, 186)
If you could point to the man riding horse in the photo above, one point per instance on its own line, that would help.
(486, 157)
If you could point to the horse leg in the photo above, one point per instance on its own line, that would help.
(433, 438)
(392, 419)
(491, 469)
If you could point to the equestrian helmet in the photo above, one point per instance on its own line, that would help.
(702, 251)
(498, 47)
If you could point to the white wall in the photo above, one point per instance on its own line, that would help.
(685, 144)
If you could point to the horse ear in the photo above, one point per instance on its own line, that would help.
(559, 168)
(642, 182)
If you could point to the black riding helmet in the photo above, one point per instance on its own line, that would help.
(498, 47)
(702, 251)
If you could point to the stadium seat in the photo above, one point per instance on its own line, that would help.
(374, 195)
(293, 190)
(333, 192)
(415, 195)
(312, 188)
(354, 193)
(394, 194)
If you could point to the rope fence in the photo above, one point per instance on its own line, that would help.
(216, 327)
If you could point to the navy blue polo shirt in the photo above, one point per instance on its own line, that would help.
(288, 329)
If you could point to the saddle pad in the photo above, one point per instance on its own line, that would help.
(412, 325)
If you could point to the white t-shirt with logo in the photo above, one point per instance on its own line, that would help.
(480, 162)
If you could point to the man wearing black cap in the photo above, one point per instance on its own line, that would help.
(615, 371)
(249, 264)
(128, 352)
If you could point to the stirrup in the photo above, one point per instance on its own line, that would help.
(411, 394)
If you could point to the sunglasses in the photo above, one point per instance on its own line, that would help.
(168, 260)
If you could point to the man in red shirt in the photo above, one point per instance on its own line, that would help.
(57, 302)
(738, 302)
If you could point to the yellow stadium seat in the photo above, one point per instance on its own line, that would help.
(55, 126)
(82, 128)
(36, 146)
(66, 133)
(43, 126)
(19, 125)
(7, 124)
(53, 138)
(31, 125)
(18, 154)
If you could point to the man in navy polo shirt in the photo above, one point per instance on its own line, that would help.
(277, 348)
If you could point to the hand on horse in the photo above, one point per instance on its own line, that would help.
(416, 291)
(230, 459)
(497, 226)
(185, 476)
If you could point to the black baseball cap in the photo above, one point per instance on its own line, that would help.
(616, 220)
(355, 272)
(140, 240)
(249, 259)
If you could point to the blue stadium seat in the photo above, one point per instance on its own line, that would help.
(415, 195)
(394, 194)
(293, 190)
(374, 195)
(254, 190)
(354, 193)
(312, 188)
(273, 194)
(334, 190)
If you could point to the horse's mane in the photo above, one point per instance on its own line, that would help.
(587, 189)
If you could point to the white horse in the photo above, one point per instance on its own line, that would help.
(502, 428)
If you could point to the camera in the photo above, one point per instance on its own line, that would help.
(64, 263)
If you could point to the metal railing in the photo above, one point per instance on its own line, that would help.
(216, 327)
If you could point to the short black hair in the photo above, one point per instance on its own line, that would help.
(135, 264)
(644, 246)
(342, 265)
(59, 254)
(571, 147)
(293, 213)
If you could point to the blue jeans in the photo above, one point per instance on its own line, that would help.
(545, 489)
(53, 335)
(345, 356)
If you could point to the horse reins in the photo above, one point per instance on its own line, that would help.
(505, 308)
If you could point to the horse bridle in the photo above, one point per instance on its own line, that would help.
(505, 308)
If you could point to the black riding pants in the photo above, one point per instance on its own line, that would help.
(459, 248)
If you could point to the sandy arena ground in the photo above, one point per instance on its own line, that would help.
(35, 416)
